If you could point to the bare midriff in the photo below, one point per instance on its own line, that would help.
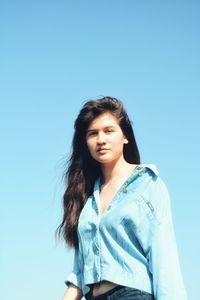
(102, 287)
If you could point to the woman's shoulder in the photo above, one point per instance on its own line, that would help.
(156, 190)
(157, 181)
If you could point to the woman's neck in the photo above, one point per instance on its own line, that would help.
(115, 170)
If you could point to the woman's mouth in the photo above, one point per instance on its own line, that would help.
(102, 150)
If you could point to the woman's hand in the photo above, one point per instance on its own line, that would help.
(72, 293)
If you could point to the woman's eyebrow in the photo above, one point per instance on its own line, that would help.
(106, 127)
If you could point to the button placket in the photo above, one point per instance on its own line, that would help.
(97, 251)
(125, 190)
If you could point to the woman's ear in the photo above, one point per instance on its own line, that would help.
(125, 140)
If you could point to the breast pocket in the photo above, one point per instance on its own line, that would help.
(138, 220)
(133, 214)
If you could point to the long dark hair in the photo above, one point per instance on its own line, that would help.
(82, 169)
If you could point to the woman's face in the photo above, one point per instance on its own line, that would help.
(105, 139)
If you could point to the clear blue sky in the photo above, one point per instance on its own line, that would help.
(54, 55)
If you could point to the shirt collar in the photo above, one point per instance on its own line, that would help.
(152, 167)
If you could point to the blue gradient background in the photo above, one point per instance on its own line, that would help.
(54, 55)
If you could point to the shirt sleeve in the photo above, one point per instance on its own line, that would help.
(163, 253)
(76, 275)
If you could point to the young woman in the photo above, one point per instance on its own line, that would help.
(117, 214)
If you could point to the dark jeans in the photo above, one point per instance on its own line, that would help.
(121, 293)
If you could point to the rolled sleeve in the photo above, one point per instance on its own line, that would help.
(76, 275)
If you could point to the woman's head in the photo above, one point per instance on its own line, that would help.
(93, 125)
(107, 110)
(105, 139)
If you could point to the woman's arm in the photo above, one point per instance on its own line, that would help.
(163, 253)
(72, 293)
(74, 280)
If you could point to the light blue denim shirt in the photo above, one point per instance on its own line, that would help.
(133, 243)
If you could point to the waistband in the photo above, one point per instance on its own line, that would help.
(103, 296)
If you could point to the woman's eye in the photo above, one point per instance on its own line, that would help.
(109, 130)
(91, 133)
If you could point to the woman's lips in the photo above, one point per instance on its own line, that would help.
(102, 150)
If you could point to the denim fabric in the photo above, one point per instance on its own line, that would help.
(133, 243)
(121, 293)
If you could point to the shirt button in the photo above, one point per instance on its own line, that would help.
(141, 173)
(97, 252)
(139, 168)
(109, 207)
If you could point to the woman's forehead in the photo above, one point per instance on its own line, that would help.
(104, 120)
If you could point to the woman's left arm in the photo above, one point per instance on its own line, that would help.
(163, 254)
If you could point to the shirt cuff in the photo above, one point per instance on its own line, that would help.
(75, 279)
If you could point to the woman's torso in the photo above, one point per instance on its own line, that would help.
(109, 249)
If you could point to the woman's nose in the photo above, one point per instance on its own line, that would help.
(100, 138)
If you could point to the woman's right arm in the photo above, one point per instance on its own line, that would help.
(74, 280)
(72, 293)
